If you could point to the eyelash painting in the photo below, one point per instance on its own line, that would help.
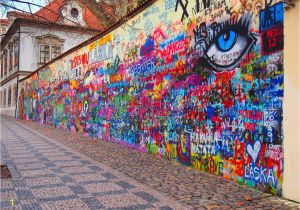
(228, 43)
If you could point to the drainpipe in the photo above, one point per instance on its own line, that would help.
(18, 69)
(17, 95)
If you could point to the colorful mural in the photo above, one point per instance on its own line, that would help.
(198, 82)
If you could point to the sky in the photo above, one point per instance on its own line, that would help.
(21, 6)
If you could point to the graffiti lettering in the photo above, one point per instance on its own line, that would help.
(260, 174)
(79, 60)
(184, 8)
(273, 40)
(204, 89)
(271, 16)
(143, 66)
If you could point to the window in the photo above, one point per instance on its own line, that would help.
(48, 52)
(2, 67)
(5, 62)
(16, 53)
(74, 12)
(44, 53)
(15, 92)
(10, 57)
(4, 98)
(49, 47)
(55, 51)
(9, 96)
(1, 98)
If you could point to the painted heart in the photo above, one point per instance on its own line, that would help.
(254, 150)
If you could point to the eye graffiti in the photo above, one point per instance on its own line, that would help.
(228, 43)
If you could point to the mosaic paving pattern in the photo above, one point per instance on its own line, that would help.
(48, 175)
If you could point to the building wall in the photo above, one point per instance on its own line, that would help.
(9, 109)
(291, 181)
(30, 48)
(200, 84)
(10, 69)
(27, 51)
(29, 54)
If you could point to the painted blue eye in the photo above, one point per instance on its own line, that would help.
(227, 40)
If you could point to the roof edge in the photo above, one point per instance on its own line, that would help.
(112, 27)
(18, 21)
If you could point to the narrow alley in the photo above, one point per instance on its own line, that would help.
(48, 175)
(51, 169)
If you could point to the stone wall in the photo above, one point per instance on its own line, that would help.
(198, 82)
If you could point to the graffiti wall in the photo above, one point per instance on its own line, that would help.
(198, 82)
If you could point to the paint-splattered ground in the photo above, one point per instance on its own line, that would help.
(77, 179)
(48, 175)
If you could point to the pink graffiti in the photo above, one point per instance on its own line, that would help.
(79, 60)
(158, 34)
(173, 48)
(250, 114)
(275, 152)
(250, 126)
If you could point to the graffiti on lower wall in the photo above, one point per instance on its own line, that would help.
(198, 82)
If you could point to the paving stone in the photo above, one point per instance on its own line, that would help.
(146, 197)
(24, 195)
(18, 183)
(165, 208)
(93, 203)
(87, 177)
(118, 201)
(31, 206)
(66, 179)
(28, 166)
(78, 189)
(125, 185)
(182, 185)
(102, 187)
(52, 192)
(95, 168)
(43, 181)
(85, 162)
(69, 204)
(108, 175)
(57, 177)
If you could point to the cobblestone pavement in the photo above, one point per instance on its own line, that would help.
(49, 175)
(192, 188)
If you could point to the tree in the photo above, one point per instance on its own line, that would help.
(29, 7)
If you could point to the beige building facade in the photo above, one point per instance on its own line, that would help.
(291, 106)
